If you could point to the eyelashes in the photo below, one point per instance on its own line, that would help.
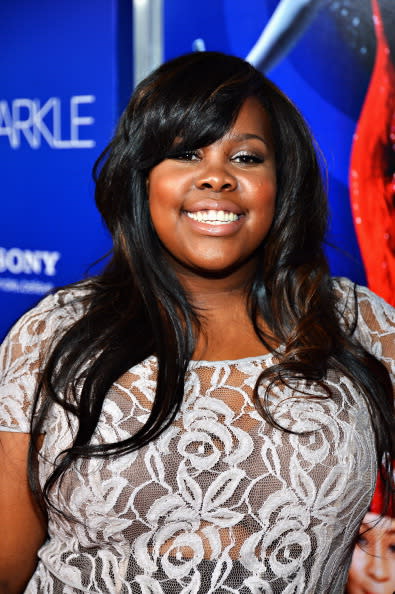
(186, 156)
(242, 157)
(247, 158)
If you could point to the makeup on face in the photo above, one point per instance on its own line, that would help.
(212, 207)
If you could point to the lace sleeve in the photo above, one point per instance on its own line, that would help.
(375, 328)
(23, 354)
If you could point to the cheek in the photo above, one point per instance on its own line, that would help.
(163, 205)
(265, 190)
(357, 569)
(266, 205)
(164, 219)
(161, 184)
(160, 195)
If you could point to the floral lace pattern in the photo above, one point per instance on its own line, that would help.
(222, 502)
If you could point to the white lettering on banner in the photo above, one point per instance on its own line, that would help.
(28, 119)
(19, 261)
(11, 285)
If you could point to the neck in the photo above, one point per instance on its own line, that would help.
(211, 292)
(226, 331)
(220, 300)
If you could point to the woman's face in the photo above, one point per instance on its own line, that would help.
(212, 207)
(372, 568)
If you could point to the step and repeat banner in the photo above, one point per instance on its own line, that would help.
(65, 71)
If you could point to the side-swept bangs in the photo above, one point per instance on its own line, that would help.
(188, 103)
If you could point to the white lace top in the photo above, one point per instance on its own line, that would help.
(222, 502)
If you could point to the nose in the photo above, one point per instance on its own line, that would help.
(216, 178)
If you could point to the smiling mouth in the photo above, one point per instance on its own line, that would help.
(213, 217)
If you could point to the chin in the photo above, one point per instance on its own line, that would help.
(220, 270)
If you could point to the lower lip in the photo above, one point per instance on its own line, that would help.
(216, 230)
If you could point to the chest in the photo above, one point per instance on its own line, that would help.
(220, 461)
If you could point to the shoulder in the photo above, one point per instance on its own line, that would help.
(361, 302)
(26, 347)
(51, 316)
(369, 319)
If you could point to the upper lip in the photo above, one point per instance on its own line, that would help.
(214, 204)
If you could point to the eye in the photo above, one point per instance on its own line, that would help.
(247, 158)
(186, 156)
(362, 540)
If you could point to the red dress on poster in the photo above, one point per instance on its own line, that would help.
(372, 171)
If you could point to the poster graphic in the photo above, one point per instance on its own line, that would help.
(372, 169)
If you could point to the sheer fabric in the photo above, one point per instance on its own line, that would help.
(222, 502)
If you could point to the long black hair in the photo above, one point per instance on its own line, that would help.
(137, 307)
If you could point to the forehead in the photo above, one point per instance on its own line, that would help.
(383, 523)
(253, 119)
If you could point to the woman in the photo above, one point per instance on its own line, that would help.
(208, 416)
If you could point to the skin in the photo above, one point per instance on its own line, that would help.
(372, 569)
(215, 262)
(23, 529)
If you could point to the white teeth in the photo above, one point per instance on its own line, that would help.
(215, 217)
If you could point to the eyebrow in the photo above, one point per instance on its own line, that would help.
(368, 526)
(247, 136)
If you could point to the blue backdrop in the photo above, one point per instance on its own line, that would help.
(65, 71)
